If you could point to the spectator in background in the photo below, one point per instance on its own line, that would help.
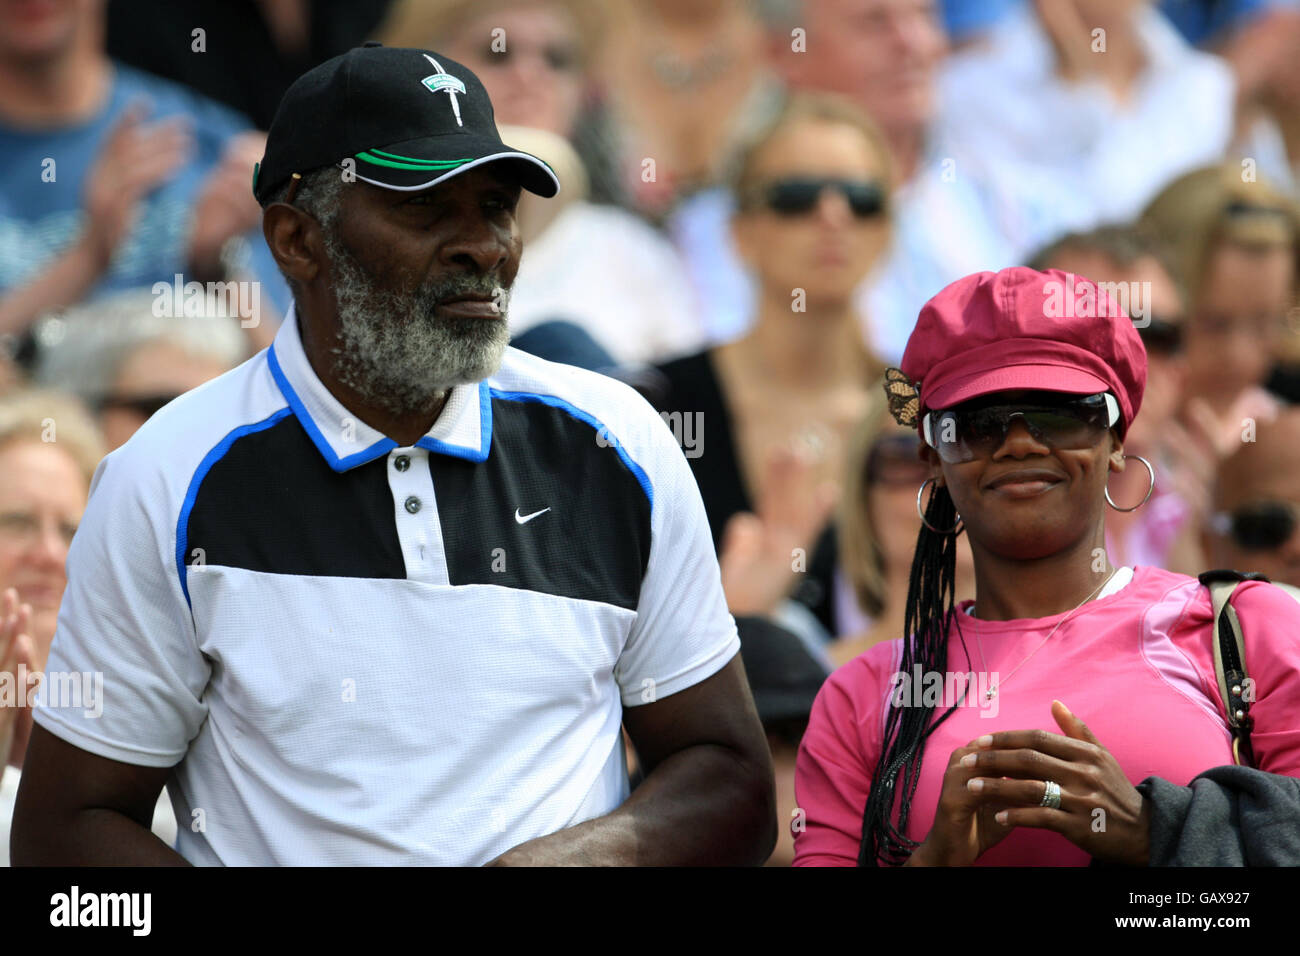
(812, 190)
(112, 178)
(49, 450)
(251, 49)
(685, 79)
(949, 221)
(542, 61)
(1256, 37)
(1101, 96)
(125, 362)
(1255, 525)
(1164, 532)
(1234, 244)
(596, 266)
(878, 527)
(1269, 111)
(544, 64)
(967, 23)
(1250, 34)
(535, 57)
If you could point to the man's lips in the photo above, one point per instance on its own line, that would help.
(471, 305)
(1025, 482)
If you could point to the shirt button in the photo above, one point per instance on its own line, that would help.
(412, 504)
(401, 462)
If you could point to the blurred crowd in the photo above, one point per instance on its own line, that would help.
(758, 196)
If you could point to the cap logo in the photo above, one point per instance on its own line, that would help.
(441, 82)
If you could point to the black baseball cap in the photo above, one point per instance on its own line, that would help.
(408, 118)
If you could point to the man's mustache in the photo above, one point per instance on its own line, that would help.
(440, 290)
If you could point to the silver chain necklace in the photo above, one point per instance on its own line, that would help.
(993, 691)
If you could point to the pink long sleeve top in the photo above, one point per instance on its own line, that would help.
(1136, 666)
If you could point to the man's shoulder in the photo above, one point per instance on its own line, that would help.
(588, 394)
(617, 414)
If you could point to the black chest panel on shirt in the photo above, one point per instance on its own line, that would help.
(551, 510)
(592, 542)
(271, 503)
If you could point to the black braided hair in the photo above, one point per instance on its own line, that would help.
(930, 593)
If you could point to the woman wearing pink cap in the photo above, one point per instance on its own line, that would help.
(1061, 716)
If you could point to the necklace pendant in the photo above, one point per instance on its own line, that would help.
(990, 693)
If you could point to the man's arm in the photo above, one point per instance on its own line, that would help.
(709, 796)
(76, 809)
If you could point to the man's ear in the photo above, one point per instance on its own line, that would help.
(294, 239)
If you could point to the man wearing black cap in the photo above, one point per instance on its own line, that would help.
(387, 592)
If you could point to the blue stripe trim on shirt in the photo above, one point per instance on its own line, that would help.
(642, 478)
(381, 447)
(485, 432)
(384, 445)
(210, 459)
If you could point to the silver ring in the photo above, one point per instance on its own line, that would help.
(1149, 489)
(1051, 795)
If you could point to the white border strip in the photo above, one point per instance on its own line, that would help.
(460, 169)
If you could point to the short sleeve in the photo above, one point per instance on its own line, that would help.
(125, 679)
(836, 758)
(683, 632)
(1270, 626)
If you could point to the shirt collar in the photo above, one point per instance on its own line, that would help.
(462, 430)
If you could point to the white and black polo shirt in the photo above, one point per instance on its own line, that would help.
(359, 653)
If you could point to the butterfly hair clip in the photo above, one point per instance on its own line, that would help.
(904, 399)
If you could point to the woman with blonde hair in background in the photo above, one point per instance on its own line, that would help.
(878, 524)
(1234, 240)
(779, 403)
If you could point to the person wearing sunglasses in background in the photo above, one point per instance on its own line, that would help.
(877, 526)
(1070, 690)
(780, 403)
(1255, 522)
(1235, 242)
(125, 362)
(1165, 531)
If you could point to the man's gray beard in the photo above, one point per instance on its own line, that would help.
(394, 352)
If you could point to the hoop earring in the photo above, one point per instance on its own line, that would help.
(921, 492)
(1152, 488)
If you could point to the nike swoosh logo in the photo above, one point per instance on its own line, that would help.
(524, 519)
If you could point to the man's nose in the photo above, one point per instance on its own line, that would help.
(478, 246)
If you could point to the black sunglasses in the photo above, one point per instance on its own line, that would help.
(893, 460)
(977, 429)
(1259, 526)
(799, 195)
(143, 405)
(1160, 337)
